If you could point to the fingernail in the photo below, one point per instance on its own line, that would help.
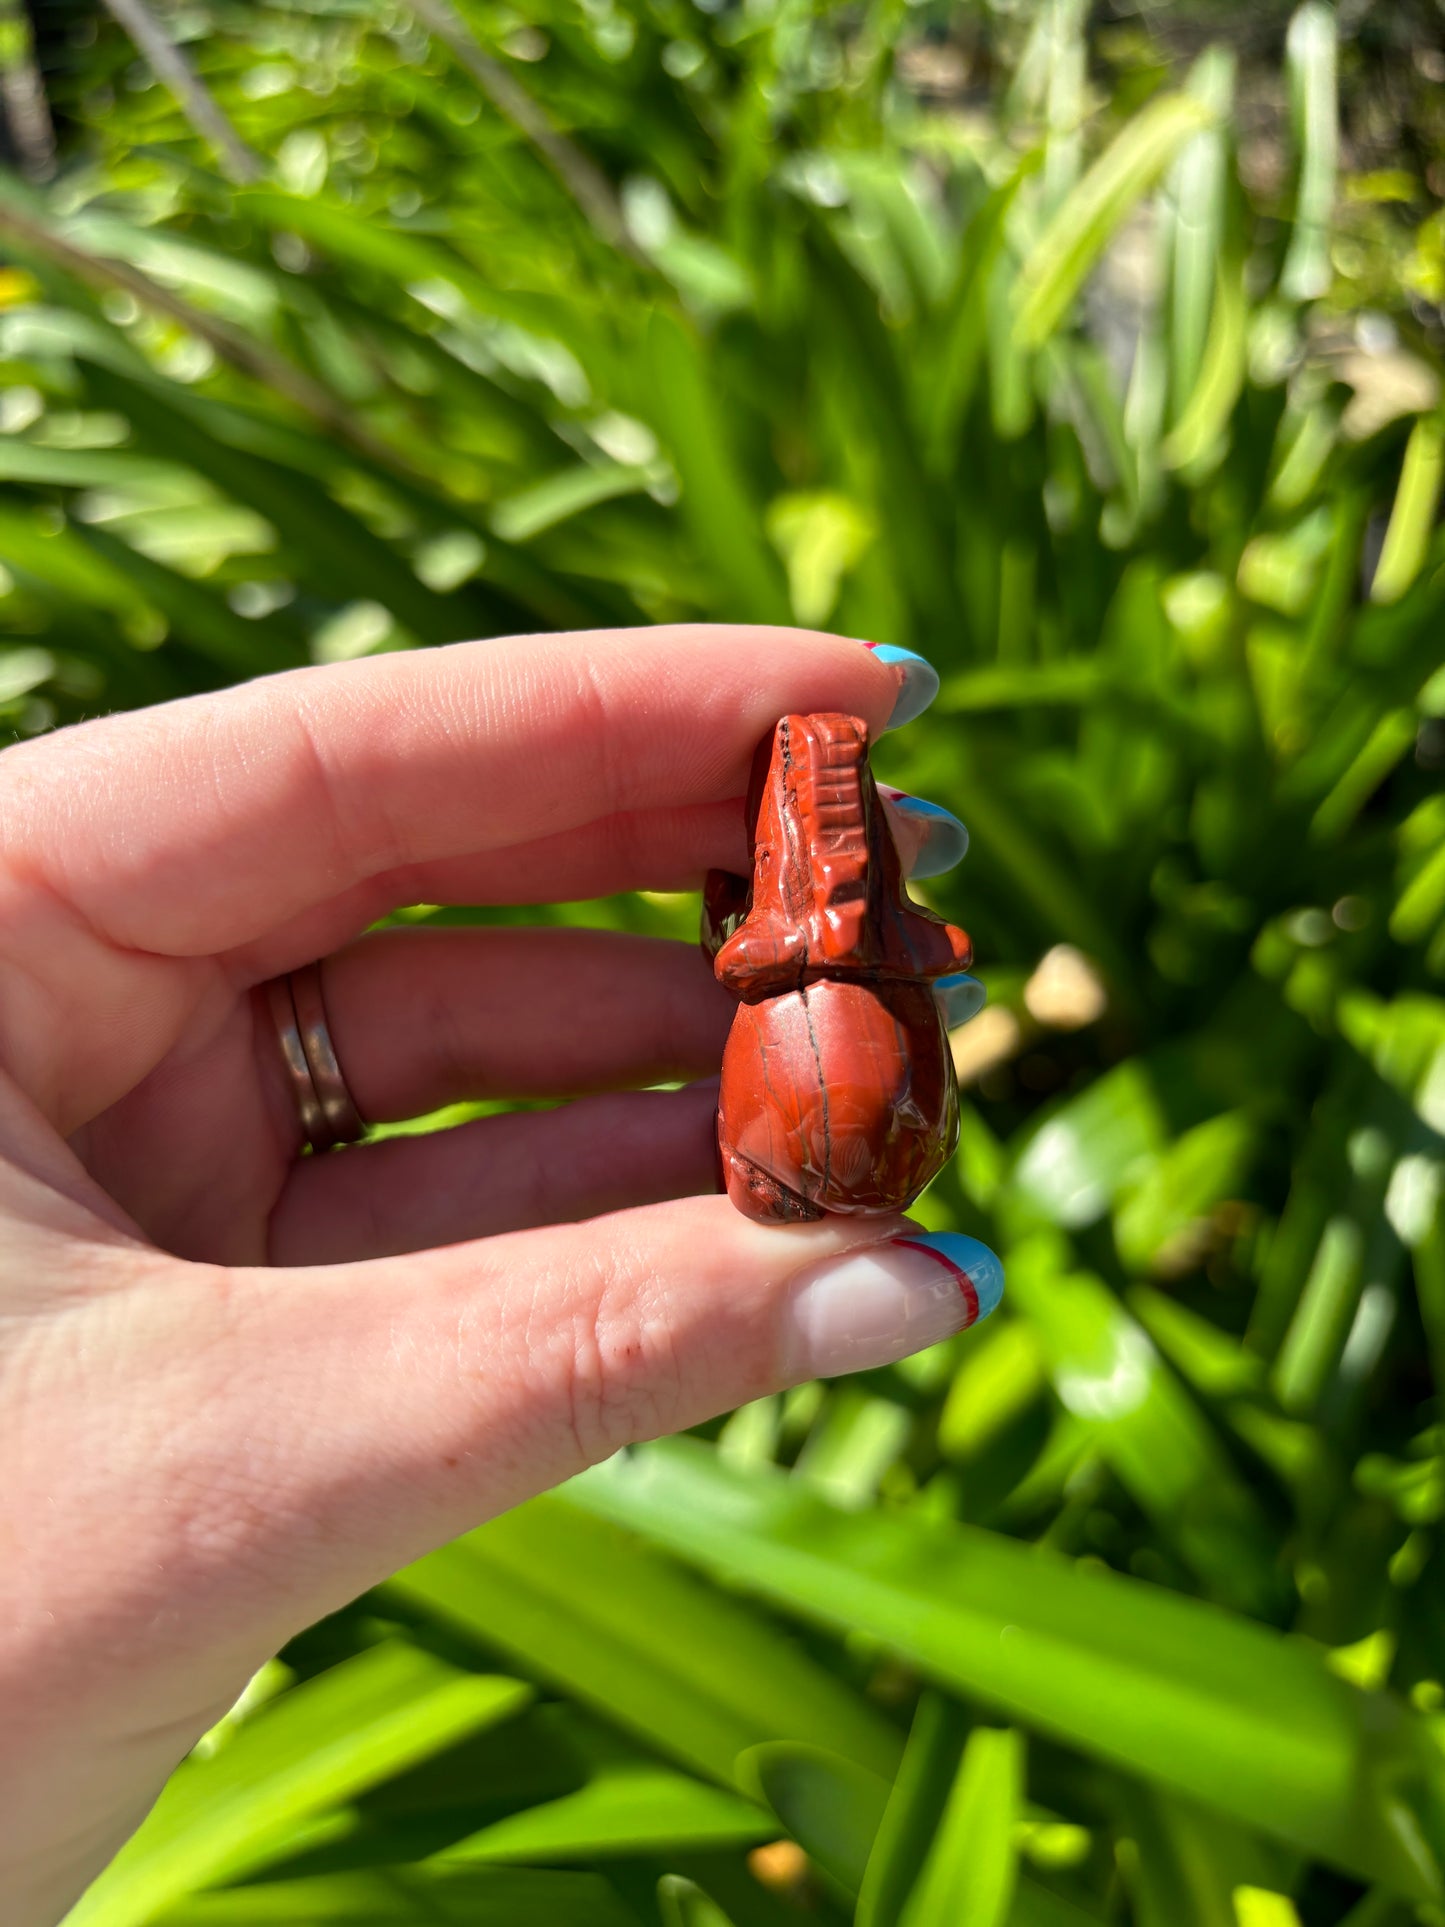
(870, 1307)
(919, 684)
(930, 839)
(960, 997)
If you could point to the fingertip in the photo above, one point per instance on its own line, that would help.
(874, 1304)
(918, 680)
(930, 839)
(960, 998)
(972, 1261)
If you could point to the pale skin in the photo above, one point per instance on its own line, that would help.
(237, 1386)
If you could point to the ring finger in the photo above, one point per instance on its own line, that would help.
(424, 1018)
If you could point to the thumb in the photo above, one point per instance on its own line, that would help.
(419, 1395)
(247, 1450)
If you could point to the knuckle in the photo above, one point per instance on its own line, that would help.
(623, 1375)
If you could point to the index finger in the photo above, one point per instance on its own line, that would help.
(196, 826)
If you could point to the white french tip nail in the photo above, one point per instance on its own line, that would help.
(867, 1308)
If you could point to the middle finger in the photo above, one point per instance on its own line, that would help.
(648, 850)
(424, 1018)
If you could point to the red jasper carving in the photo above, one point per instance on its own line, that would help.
(838, 1092)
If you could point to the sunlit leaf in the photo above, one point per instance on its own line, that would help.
(1086, 219)
(1180, 1692)
(312, 1748)
(1310, 56)
(626, 1810)
(970, 1869)
(586, 1606)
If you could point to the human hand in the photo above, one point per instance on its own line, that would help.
(238, 1386)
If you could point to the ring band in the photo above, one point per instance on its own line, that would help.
(324, 1105)
(344, 1122)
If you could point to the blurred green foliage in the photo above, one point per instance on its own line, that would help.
(1108, 378)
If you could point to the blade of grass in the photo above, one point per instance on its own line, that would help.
(1186, 1863)
(1318, 1178)
(958, 361)
(1199, 434)
(1359, 1254)
(1078, 679)
(851, 340)
(1389, 741)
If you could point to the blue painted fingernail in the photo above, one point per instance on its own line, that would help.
(960, 997)
(977, 1269)
(919, 685)
(932, 839)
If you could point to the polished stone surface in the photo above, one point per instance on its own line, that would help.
(837, 1085)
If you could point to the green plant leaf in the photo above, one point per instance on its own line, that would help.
(682, 1903)
(724, 515)
(310, 1749)
(1177, 1190)
(1078, 1160)
(1311, 53)
(1413, 515)
(623, 1810)
(831, 1806)
(344, 556)
(1194, 209)
(1036, 1906)
(971, 1869)
(401, 1897)
(586, 1606)
(1180, 1692)
(915, 1807)
(1184, 1864)
(1087, 218)
(1108, 1375)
